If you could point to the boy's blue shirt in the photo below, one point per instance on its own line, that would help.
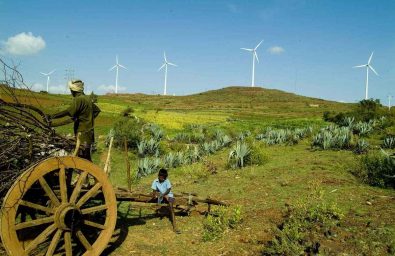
(162, 187)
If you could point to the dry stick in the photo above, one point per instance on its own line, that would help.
(127, 164)
(106, 165)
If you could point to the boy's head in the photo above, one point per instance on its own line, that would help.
(162, 175)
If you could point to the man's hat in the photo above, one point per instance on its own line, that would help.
(76, 85)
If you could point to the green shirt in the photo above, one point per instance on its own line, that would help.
(83, 112)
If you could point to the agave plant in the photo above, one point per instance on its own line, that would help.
(333, 137)
(169, 160)
(147, 166)
(194, 154)
(156, 132)
(389, 142)
(238, 156)
(363, 129)
(224, 141)
(361, 147)
(348, 121)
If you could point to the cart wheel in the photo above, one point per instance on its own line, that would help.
(63, 206)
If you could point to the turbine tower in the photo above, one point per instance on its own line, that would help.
(368, 66)
(389, 102)
(47, 75)
(117, 66)
(165, 66)
(254, 56)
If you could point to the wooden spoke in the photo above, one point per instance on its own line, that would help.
(62, 184)
(51, 205)
(67, 244)
(94, 209)
(88, 195)
(49, 191)
(41, 238)
(36, 206)
(78, 187)
(83, 240)
(94, 224)
(34, 223)
(54, 243)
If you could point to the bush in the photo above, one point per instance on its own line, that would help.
(302, 228)
(220, 220)
(361, 147)
(377, 169)
(129, 128)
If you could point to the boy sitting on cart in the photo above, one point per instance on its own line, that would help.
(161, 191)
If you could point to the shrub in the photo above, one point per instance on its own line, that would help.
(220, 220)
(377, 169)
(129, 128)
(239, 155)
(304, 224)
(126, 112)
(361, 147)
(258, 156)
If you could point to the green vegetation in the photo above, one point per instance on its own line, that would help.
(193, 136)
(220, 220)
(377, 169)
(304, 226)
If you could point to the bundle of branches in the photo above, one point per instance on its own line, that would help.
(26, 136)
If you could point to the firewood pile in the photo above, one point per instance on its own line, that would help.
(26, 136)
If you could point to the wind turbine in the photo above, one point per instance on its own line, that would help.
(368, 66)
(389, 102)
(47, 75)
(117, 66)
(254, 56)
(165, 66)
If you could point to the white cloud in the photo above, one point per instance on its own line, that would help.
(23, 44)
(58, 89)
(110, 88)
(37, 87)
(276, 50)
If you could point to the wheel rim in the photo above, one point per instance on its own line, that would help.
(61, 205)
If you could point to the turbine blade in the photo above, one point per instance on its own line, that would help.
(360, 66)
(258, 45)
(162, 66)
(373, 70)
(43, 74)
(51, 72)
(164, 56)
(246, 49)
(171, 64)
(116, 59)
(121, 66)
(370, 58)
(112, 68)
(256, 56)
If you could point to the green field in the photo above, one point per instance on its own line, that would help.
(290, 176)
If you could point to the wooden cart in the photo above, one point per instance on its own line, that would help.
(66, 206)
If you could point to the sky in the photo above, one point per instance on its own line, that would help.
(309, 48)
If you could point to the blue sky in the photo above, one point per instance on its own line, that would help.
(321, 41)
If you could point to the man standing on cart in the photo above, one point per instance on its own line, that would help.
(83, 112)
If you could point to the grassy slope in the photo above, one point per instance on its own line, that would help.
(262, 191)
